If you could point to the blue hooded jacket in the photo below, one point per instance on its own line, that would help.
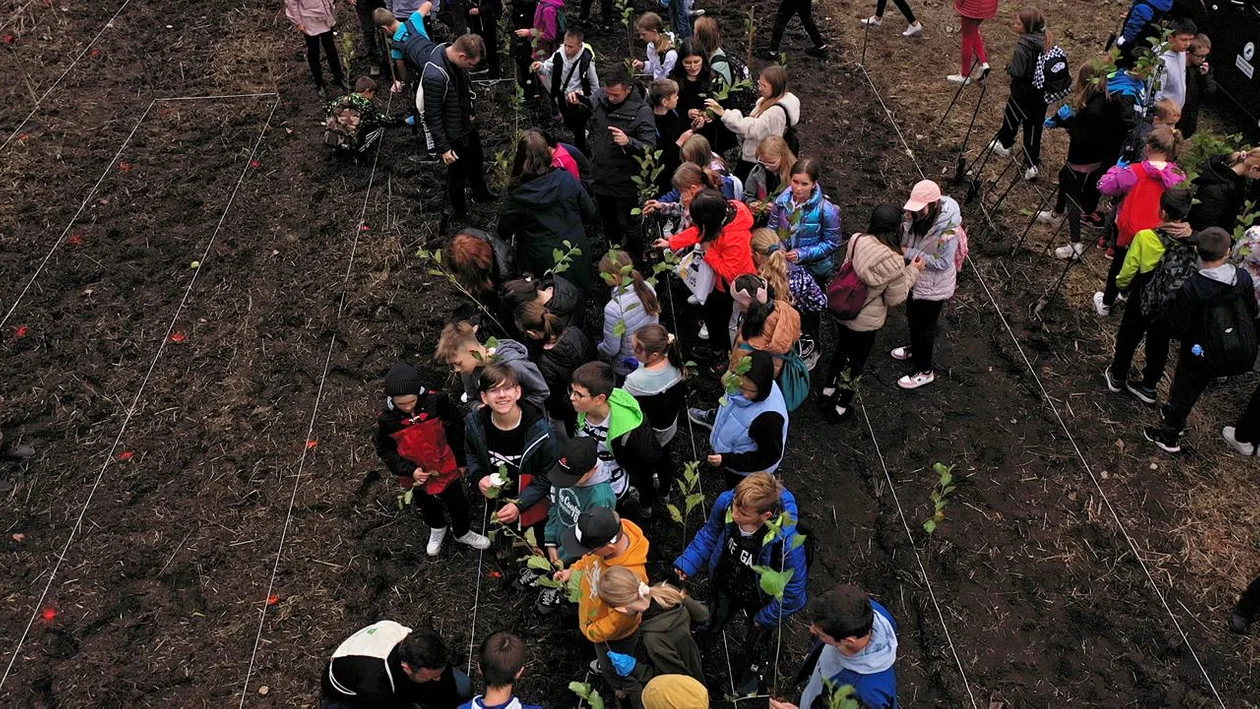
(1140, 15)
(707, 547)
(816, 237)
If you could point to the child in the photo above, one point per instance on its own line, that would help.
(545, 32)
(562, 349)
(1200, 84)
(420, 438)
(929, 232)
(501, 660)
(633, 305)
(748, 432)
(578, 484)
(857, 646)
(767, 322)
(769, 177)
(510, 447)
(786, 277)
(807, 221)
(663, 95)
(459, 348)
(666, 616)
(570, 77)
(1162, 113)
(1214, 317)
(315, 20)
(1141, 185)
(659, 383)
(1172, 82)
(1026, 106)
(353, 122)
(729, 545)
(559, 295)
(661, 55)
(628, 449)
(603, 540)
(1168, 248)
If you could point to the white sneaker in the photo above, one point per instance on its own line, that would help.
(436, 535)
(996, 146)
(474, 540)
(704, 333)
(1229, 434)
(984, 70)
(873, 21)
(914, 381)
(901, 353)
(693, 300)
(1100, 307)
(958, 79)
(1046, 216)
(1031, 174)
(1069, 251)
(913, 30)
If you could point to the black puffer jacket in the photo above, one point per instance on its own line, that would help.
(613, 165)
(540, 215)
(572, 350)
(448, 100)
(1219, 193)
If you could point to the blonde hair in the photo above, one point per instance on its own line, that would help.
(776, 145)
(773, 263)
(1250, 158)
(619, 587)
(759, 493)
(456, 338)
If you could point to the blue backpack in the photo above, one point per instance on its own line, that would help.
(793, 377)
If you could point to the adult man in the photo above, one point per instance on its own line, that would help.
(569, 77)
(622, 127)
(388, 665)
(1172, 79)
(857, 646)
(449, 116)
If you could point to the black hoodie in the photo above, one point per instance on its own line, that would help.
(540, 215)
(1024, 64)
(1219, 193)
(614, 165)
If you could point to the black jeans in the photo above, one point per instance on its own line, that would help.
(1247, 428)
(1192, 376)
(901, 5)
(1111, 290)
(329, 43)
(1249, 604)
(1078, 194)
(716, 314)
(722, 609)
(1133, 326)
(455, 503)
(486, 24)
(622, 229)
(575, 119)
(467, 170)
(923, 316)
(849, 360)
(632, 684)
(788, 8)
(374, 45)
(1028, 112)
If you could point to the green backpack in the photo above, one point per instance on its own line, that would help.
(793, 377)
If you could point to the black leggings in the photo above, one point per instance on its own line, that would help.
(852, 350)
(1029, 112)
(1078, 194)
(923, 316)
(1111, 290)
(902, 5)
(1247, 430)
(452, 499)
(486, 25)
(329, 43)
(716, 313)
(789, 8)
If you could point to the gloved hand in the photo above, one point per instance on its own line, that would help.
(622, 664)
(1122, 163)
(1065, 111)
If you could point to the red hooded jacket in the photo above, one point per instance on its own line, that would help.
(730, 254)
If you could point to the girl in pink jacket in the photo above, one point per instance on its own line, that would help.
(315, 20)
(973, 12)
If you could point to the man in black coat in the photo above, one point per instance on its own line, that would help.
(387, 665)
(622, 127)
(450, 117)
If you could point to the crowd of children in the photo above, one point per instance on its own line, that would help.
(567, 430)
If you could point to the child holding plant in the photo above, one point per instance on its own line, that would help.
(459, 348)
(769, 176)
(774, 114)
(510, 447)
(420, 438)
(661, 55)
(666, 616)
(633, 304)
(752, 526)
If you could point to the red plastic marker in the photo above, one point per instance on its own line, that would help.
(9, 39)
(20, 331)
(311, 444)
(364, 227)
(255, 163)
(75, 239)
(124, 166)
(49, 614)
(177, 337)
(273, 599)
(126, 455)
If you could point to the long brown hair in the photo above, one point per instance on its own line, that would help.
(706, 32)
(1091, 80)
(612, 268)
(656, 339)
(773, 267)
(533, 317)
(698, 150)
(690, 174)
(776, 76)
(1033, 21)
(533, 158)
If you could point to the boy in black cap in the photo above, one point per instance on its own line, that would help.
(578, 484)
(420, 438)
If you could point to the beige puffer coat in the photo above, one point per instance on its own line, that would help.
(886, 274)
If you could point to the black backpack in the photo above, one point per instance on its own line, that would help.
(1227, 332)
(1178, 264)
(416, 48)
(789, 133)
(1052, 75)
(560, 80)
(745, 96)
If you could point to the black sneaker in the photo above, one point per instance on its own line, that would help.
(1145, 394)
(750, 683)
(768, 54)
(527, 578)
(702, 417)
(1113, 384)
(549, 601)
(819, 51)
(1162, 437)
(1239, 624)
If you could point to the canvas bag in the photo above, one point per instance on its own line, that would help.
(696, 274)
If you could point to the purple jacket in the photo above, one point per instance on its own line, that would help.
(1120, 179)
(547, 27)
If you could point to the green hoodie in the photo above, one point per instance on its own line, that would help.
(624, 415)
(1147, 250)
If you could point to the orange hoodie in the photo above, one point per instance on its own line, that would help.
(598, 622)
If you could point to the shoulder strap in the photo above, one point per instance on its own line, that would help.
(786, 116)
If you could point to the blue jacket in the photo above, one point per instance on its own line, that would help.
(877, 690)
(708, 545)
(735, 431)
(1140, 15)
(816, 237)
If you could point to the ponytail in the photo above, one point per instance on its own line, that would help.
(690, 174)
(619, 587)
(773, 266)
(1166, 140)
(534, 318)
(613, 268)
(656, 339)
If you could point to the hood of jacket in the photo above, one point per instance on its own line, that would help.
(761, 371)
(510, 351)
(1218, 171)
(566, 298)
(880, 653)
(1170, 174)
(624, 414)
(1225, 274)
(542, 191)
(571, 350)
(680, 617)
(875, 263)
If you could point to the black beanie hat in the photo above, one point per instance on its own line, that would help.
(761, 372)
(402, 380)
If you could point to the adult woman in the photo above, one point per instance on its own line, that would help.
(544, 209)
(878, 263)
(1096, 128)
(723, 229)
(930, 233)
(769, 176)
(1026, 105)
(775, 112)
(973, 12)
(1221, 188)
(695, 81)
(767, 323)
(315, 20)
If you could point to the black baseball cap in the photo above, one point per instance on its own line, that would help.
(577, 457)
(595, 528)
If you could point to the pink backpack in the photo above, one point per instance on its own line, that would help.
(960, 253)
